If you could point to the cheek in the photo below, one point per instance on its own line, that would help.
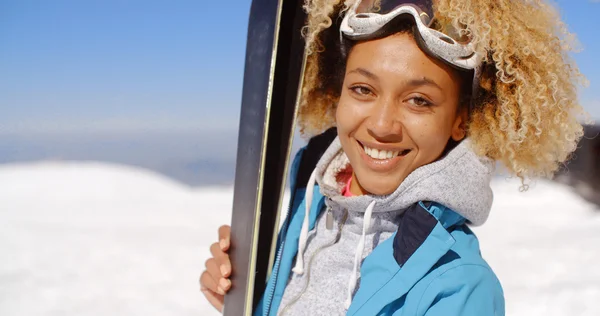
(430, 133)
(347, 116)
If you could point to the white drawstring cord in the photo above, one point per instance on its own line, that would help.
(358, 254)
(299, 268)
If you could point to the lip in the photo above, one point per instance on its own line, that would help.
(380, 146)
(379, 165)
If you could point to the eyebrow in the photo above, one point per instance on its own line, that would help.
(365, 73)
(413, 83)
(423, 82)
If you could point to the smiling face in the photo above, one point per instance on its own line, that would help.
(397, 111)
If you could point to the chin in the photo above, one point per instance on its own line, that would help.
(378, 186)
(382, 191)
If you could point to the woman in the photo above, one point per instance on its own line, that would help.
(424, 97)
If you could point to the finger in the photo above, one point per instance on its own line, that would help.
(212, 266)
(222, 259)
(223, 283)
(225, 237)
(214, 299)
(207, 281)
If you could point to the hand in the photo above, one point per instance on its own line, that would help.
(214, 281)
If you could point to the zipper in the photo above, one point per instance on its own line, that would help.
(275, 271)
(337, 238)
(270, 291)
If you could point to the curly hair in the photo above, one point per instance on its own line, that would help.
(526, 113)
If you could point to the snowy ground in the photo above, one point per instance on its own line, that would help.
(99, 239)
(544, 245)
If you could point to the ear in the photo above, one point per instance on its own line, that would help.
(459, 128)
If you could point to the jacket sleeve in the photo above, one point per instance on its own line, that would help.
(465, 290)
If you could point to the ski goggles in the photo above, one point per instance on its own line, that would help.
(369, 19)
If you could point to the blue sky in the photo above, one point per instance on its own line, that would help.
(74, 65)
(126, 64)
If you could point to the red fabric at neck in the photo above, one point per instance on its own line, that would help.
(346, 191)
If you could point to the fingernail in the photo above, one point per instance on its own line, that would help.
(224, 284)
(224, 270)
(223, 244)
(220, 290)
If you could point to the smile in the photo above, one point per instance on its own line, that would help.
(382, 158)
(382, 154)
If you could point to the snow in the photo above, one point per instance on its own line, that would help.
(83, 238)
(96, 239)
(544, 245)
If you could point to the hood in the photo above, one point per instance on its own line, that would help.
(460, 181)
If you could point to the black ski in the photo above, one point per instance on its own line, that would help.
(272, 78)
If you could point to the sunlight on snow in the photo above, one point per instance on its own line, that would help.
(98, 239)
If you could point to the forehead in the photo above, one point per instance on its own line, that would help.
(399, 56)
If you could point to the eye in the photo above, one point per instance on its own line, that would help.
(420, 102)
(361, 90)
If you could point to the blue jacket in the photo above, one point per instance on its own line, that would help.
(435, 269)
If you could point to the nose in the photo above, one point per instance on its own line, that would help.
(384, 122)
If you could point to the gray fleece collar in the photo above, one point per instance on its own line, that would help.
(459, 181)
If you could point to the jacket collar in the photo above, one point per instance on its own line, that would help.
(384, 279)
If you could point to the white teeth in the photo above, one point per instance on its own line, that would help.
(380, 154)
(374, 153)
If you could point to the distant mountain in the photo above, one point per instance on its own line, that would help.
(582, 171)
(196, 159)
(200, 158)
